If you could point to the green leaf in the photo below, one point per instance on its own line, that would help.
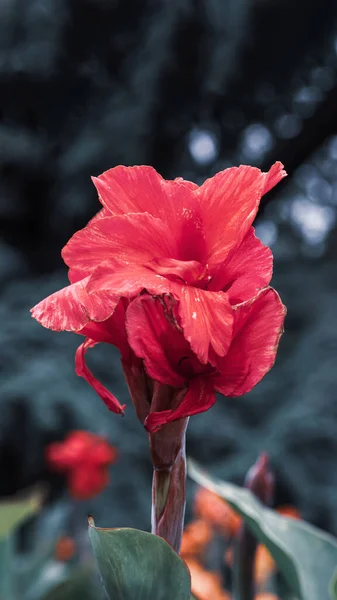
(136, 565)
(305, 555)
(15, 510)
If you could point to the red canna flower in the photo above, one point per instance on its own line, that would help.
(173, 275)
(84, 458)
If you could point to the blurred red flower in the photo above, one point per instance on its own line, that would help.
(84, 458)
(208, 321)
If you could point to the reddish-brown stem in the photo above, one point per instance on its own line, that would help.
(167, 450)
(169, 499)
(169, 476)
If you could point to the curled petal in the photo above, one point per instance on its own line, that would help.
(230, 201)
(126, 279)
(155, 340)
(112, 331)
(257, 330)
(248, 270)
(98, 332)
(135, 238)
(207, 320)
(71, 308)
(82, 371)
(187, 271)
(199, 397)
(274, 176)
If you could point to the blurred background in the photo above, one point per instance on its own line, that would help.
(190, 87)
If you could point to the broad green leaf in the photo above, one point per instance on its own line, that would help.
(305, 555)
(136, 565)
(15, 510)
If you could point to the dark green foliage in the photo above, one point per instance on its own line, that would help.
(136, 565)
(305, 555)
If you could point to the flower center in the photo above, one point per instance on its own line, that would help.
(190, 272)
(190, 366)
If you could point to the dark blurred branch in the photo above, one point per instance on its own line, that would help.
(295, 151)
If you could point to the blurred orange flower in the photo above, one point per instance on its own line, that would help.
(264, 565)
(290, 511)
(196, 537)
(206, 585)
(213, 509)
(84, 458)
(65, 548)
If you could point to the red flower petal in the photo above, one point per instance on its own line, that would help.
(155, 340)
(80, 448)
(274, 176)
(57, 457)
(140, 189)
(100, 453)
(71, 452)
(82, 371)
(71, 308)
(207, 320)
(126, 279)
(98, 332)
(112, 331)
(135, 238)
(85, 483)
(187, 271)
(124, 190)
(199, 397)
(76, 274)
(248, 270)
(258, 326)
(230, 201)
